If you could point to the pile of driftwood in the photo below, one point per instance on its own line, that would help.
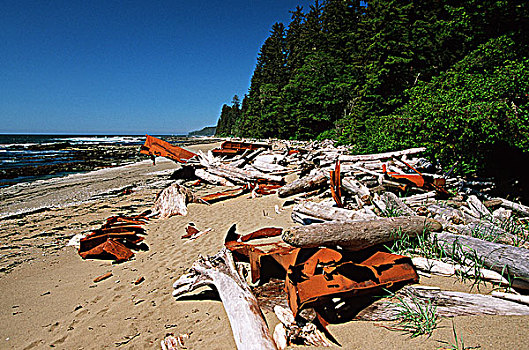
(352, 210)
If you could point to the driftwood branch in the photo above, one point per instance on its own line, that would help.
(501, 258)
(327, 212)
(449, 304)
(362, 157)
(247, 323)
(305, 184)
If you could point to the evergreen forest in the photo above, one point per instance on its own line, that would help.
(452, 76)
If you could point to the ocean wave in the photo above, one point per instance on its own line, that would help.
(102, 139)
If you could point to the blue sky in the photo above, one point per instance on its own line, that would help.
(161, 67)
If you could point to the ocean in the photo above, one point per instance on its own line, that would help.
(25, 158)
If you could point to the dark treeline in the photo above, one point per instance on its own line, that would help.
(380, 75)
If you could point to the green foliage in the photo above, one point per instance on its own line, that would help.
(415, 316)
(388, 74)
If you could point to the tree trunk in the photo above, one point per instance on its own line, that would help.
(393, 203)
(304, 184)
(330, 213)
(519, 208)
(362, 157)
(501, 258)
(358, 235)
(449, 304)
(355, 187)
(212, 178)
(247, 323)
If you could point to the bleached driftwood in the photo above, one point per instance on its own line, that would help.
(172, 201)
(449, 304)
(523, 299)
(360, 157)
(393, 203)
(247, 323)
(475, 205)
(246, 157)
(501, 258)
(355, 187)
(358, 235)
(446, 269)
(212, 178)
(327, 212)
(288, 331)
(519, 208)
(307, 183)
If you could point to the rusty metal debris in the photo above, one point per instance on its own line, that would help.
(218, 196)
(336, 185)
(418, 179)
(314, 275)
(156, 147)
(230, 148)
(115, 239)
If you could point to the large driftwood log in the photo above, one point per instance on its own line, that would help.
(449, 304)
(393, 203)
(355, 187)
(361, 157)
(519, 208)
(247, 323)
(238, 175)
(358, 235)
(327, 212)
(307, 183)
(212, 178)
(501, 258)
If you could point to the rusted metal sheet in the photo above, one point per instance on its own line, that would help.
(262, 233)
(156, 147)
(190, 231)
(114, 239)
(336, 185)
(110, 249)
(265, 189)
(315, 275)
(328, 274)
(92, 241)
(417, 179)
(230, 148)
(215, 197)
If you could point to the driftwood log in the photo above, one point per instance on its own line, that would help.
(393, 203)
(449, 304)
(498, 257)
(305, 184)
(363, 157)
(212, 178)
(247, 323)
(358, 235)
(355, 187)
(327, 212)
(519, 208)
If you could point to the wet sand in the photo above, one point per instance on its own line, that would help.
(49, 298)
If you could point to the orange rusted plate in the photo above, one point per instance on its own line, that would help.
(261, 233)
(214, 197)
(156, 147)
(90, 242)
(109, 249)
(265, 189)
(243, 145)
(326, 273)
(190, 231)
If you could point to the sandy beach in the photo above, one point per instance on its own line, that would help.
(49, 298)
